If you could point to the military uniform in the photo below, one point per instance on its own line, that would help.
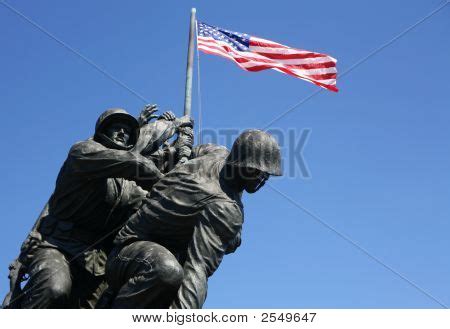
(178, 237)
(191, 219)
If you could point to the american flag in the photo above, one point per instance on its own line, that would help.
(256, 54)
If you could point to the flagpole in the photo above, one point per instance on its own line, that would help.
(185, 151)
(190, 64)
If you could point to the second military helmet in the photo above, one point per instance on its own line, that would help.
(258, 150)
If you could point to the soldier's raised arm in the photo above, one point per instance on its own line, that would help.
(153, 135)
(96, 161)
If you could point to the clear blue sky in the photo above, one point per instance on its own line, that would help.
(378, 150)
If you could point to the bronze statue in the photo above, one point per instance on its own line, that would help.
(136, 222)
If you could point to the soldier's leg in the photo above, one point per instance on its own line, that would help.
(50, 283)
(144, 275)
(86, 288)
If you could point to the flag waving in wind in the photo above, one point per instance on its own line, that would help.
(256, 54)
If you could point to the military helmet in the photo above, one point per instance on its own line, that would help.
(258, 150)
(118, 115)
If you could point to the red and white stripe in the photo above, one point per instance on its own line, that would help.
(317, 68)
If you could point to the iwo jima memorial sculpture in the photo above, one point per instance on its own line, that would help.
(136, 221)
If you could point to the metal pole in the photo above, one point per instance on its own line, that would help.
(190, 63)
(185, 151)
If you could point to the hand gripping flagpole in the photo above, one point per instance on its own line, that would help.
(185, 151)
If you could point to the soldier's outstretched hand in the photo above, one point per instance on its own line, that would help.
(168, 116)
(147, 114)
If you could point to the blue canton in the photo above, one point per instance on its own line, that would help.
(237, 41)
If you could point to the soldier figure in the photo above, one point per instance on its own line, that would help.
(192, 218)
(101, 183)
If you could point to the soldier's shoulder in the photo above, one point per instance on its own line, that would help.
(209, 149)
(86, 146)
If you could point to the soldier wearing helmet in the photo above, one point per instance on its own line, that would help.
(191, 219)
(97, 189)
